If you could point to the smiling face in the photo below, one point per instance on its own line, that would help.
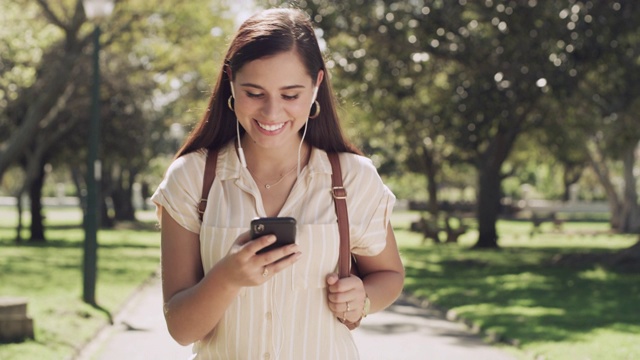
(273, 96)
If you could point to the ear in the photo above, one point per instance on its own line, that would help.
(227, 70)
(319, 78)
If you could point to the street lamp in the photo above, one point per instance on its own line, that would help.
(95, 10)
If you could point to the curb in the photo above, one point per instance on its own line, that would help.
(91, 346)
(491, 336)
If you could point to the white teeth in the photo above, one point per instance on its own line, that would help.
(271, 127)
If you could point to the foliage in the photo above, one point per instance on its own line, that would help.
(49, 276)
(521, 293)
(155, 71)
(440, 84)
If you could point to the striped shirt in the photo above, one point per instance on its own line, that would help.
(288, 316)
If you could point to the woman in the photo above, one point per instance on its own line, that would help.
(271, 121)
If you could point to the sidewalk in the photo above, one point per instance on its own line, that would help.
(403, 331)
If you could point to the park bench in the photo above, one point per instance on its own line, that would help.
(537, 221)
(429, 227)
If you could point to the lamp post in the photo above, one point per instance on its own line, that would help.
(95, 10)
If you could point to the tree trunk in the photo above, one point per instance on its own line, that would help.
(106, 221)
(488, 207)
(431, 170)
(629, 257)
(490, 181)
(599, 166)
(123, 196)
(630, 214)
(35, 199)
(572, 174)
(19, 209)
(76, 177)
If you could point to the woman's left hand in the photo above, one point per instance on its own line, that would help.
(346, 297)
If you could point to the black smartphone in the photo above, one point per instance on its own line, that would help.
(284, 228)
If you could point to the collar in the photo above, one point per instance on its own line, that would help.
(229, 166)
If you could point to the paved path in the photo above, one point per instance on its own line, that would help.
(401, 332)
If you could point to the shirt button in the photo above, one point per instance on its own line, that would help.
(268, 316)
(267, 356)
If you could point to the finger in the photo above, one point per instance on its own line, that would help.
(332, 279)
(253, 246)
(283, 263)
(243, 238)
(343, 285)
(278, 254)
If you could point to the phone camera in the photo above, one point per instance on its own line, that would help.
(258, 228)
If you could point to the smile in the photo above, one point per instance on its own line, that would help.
(273, 127)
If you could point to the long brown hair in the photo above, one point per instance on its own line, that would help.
(268, 33)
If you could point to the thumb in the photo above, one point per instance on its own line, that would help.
(332, 279)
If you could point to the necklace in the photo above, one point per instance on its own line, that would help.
(269, 186)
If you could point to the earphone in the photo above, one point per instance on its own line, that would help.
(243, 161)
(313, 100)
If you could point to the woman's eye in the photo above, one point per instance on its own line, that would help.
(252, 95)
(289, 97)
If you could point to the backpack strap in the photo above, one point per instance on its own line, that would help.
(337, 191)
(340, 199)
(209, 175)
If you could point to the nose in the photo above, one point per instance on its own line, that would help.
(271, 108)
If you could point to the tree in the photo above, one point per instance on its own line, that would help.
(154, 63)
(51, 88)
(611, 91)
(474, 73)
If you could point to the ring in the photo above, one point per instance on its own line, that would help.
(265, 273)
(348, 307)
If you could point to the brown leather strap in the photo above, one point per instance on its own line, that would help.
(340, 199)
(337, 190)
(209, 175)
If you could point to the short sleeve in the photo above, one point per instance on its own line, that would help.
(180, 191)
(370, 204)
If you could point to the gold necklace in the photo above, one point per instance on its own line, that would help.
(269, 186)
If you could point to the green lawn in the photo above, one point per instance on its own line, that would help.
(521, 293)
(49, 276)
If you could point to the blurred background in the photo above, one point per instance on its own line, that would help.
(509, 126)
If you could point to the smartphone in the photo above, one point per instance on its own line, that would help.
(284, 228)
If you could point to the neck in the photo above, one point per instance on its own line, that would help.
(278, 160)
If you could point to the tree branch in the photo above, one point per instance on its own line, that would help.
(48, 13)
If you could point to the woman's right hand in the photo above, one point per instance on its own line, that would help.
(195, 302)
(244, 267)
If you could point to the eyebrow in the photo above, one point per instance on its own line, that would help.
(289, 87)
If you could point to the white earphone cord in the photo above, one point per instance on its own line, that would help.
(306, 126)
(243, 161)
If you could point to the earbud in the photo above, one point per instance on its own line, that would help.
(243, 161)
(313, 98)
(233, 93)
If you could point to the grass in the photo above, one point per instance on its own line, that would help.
(519, 292)
(581, 311)
(49, 276)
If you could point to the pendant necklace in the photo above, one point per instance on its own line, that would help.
(269, 186)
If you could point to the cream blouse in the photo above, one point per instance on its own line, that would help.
(287, 317)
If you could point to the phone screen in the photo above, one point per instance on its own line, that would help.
(284, 228)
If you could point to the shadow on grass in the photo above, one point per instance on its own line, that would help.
(122, 225)
(72, 244)
(519, 292)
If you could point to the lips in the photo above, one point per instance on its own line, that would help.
(270, 127)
